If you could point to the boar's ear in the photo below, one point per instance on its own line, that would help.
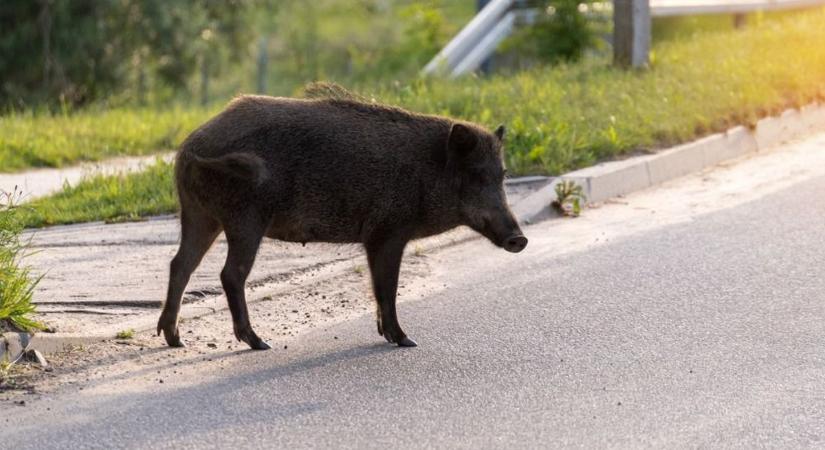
(460, 143)
(500, 132)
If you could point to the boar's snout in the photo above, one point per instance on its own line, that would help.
(515, 243)
(503, 231)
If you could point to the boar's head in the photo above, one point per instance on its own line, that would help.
(474, 163)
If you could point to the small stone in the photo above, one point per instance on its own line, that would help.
(212, 345)
(36, 356)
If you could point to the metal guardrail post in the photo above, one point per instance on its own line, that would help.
(487, 65)
(631, 33)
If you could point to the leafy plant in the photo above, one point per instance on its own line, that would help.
(16, 283)
(569, 198)
(562, 32)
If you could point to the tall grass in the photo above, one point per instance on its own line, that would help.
(570, 116)
(16, 283)
(41, 139)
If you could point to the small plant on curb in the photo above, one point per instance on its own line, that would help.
(569, 198)
(125, 334)
(16, 283)
(6, 380)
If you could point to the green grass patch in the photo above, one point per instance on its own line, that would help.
(16, 283)
(113, 198)
(559, 118)
(125, 334)
(566, 117)
(39, 139)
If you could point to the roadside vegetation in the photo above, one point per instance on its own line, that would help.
(125, 334)
(114, 198)
(571, 115)
(16, 282)
(559, 117)
(42, 139)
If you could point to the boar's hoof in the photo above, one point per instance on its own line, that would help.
(172, 336)
(380, 327)
(170, 331)
(255, 343)
(399, 338)
(259, 345)
(173, 339)
(406, 342)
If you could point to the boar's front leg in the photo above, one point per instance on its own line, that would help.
(384, 259)
(243, 242)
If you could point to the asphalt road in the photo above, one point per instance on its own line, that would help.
(709, 333)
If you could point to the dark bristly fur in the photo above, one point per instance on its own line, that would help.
(331, 170)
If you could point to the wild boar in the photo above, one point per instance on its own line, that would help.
(331, 170)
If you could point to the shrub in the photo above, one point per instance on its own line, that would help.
(16, 283)
(562, 32)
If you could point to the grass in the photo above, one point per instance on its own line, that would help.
(16, 283)
(125, 334)
(571, 116)
(559, 118)
(114, 198)
(33, 139)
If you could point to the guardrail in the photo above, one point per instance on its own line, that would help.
(481, 36)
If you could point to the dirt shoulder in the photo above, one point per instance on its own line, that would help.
(279, 319)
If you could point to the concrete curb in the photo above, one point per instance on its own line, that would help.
(13, 344)
(611, 179)
(600, 182)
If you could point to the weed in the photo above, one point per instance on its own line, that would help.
(125, 334)
(16, 283)
(569, 198)
(5, 371)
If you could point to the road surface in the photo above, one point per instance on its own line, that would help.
(692, 315)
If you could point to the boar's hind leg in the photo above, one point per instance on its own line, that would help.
(385, 262)
(243, 244)
(198, 232)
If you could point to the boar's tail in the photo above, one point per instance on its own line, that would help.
(245, 166)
